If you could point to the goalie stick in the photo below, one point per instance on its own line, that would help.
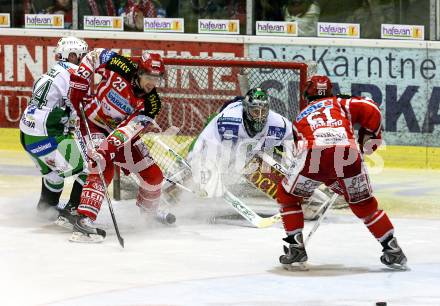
(240, 207)
(101, 176)
(248, 213)
(236, 203)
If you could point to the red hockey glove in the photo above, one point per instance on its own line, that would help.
(78, 90)
(103, 155)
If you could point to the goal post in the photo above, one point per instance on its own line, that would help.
(193, 88)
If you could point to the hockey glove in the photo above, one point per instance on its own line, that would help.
(103, 156)
(278, 152)
(368, 141)
(72, 120)
(78, 90)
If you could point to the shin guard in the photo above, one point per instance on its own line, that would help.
(91, 197)
(150, 188)
(375, 219)
(291, 211)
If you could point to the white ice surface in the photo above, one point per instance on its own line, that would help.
(197, 263)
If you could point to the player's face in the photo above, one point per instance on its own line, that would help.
(258, 112)
(148, 82)
(75, 59)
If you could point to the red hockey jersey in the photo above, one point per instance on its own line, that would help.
(330, 121)
(114, 99)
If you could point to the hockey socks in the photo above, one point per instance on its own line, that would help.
(50, 196)
(91, 197)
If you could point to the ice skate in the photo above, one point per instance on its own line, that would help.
(393, 256)
(85, 232)
(295, 257)
(67, 216)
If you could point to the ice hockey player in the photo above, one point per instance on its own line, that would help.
(328, 154)
(243, 127)
(47, 125)
(126, 101)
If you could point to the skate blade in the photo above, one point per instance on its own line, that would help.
(398, 267)
(83, 238)
(63, 222)
(297, 266)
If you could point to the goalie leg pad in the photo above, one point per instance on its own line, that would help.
(291, 211)
(91, 197)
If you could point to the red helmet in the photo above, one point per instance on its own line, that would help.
(151, 63)
(318, 86)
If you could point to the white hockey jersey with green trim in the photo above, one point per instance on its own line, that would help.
(49, 95)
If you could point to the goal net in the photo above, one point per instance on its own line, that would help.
(193, 88)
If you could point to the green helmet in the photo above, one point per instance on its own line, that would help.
(255, 110)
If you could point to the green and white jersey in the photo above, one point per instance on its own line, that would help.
(46, 107)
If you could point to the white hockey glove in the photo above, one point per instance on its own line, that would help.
(72, 121)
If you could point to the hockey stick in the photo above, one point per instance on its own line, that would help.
(170, 150)
(232, 200)
(240, 207)
(324, 208)
(200, 194)
(248, 213)
(101, 176)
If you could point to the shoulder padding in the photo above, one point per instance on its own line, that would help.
(123, 66)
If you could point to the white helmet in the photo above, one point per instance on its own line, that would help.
(71, 44)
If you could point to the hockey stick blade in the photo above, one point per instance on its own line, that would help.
(248, 213)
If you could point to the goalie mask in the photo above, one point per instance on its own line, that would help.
(255, 110)
(151, 69)
(317, 87)
(68, 45)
